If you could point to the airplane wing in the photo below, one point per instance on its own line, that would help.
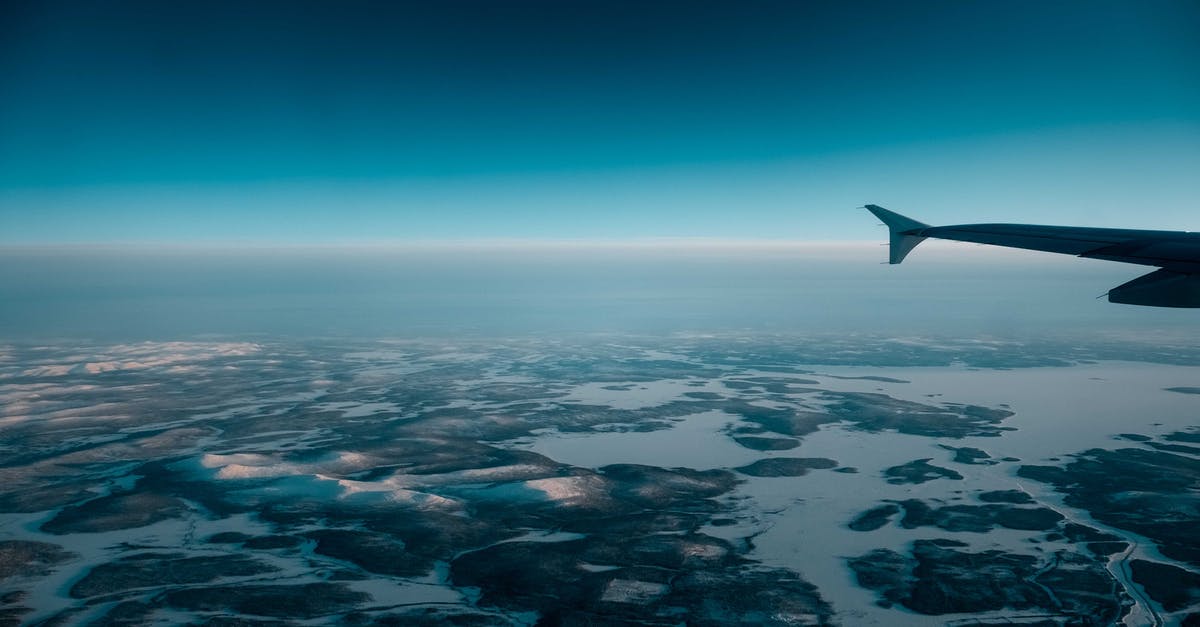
(1176, 253)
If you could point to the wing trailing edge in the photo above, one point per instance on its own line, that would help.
(1161, 288)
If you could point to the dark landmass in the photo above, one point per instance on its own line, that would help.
(430, 617)
(1083, 589)
(941, 578)
(346, 574)
(1104, 549)
(133, 613)
(657, 578)
(643, 523)
(774, 381)
(786, 466)
(306, 601)
(870, 412)
(1174, 448)
(115, 511)
(1184, 436)
(20, 498)
(969, 455)
(875, 517)
(1015, 497)
(549, 576)
(1184, 390)
(240, 621)
(437, 535)
(787, 422)
(749, 597)
(11, 616)
(918, 471)
(1175, 588)
(972, 518)
(1151, 493)
(372, 552)
(977, 518)
(770, 385)
(596, 364)
(267, 543)
(938, 579)
(656, 488)
(152, 570)
(868, 378)
(879, 412)
(704, 396)
(25, 558)
(767, 444)
(228, 537)
(1075, 532)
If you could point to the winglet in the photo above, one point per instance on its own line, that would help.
(905, 233)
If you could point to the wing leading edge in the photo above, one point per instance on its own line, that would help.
(1177, 253)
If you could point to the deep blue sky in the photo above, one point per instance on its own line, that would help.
(350, 121)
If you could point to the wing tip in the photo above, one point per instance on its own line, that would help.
(904, 233)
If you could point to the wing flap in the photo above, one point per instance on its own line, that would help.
(1161, 288)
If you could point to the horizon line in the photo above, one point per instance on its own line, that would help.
(864, 250)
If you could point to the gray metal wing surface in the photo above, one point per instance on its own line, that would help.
(1176, 253)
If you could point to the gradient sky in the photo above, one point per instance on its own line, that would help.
(315, 122)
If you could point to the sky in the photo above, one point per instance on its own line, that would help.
(351, 122)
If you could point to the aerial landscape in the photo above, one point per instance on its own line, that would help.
(712, 479)
(542, 313)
